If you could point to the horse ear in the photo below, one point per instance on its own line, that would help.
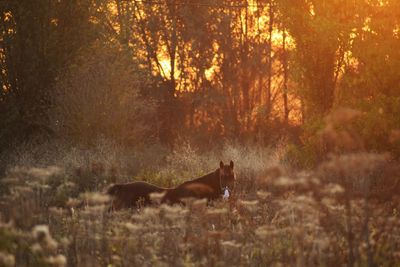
(221, 164)
(231, 164)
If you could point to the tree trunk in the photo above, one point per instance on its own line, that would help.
(285, 78)
(270, 30)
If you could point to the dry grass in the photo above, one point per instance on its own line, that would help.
(276, 218)
(344, 212)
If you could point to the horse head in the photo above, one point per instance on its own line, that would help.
(226, 177)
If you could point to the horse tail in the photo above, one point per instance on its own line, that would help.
(112, 191)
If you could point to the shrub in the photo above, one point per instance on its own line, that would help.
(100, 97)
(372, 127)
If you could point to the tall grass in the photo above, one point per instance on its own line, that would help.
(344, 212)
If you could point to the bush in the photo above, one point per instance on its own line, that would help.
(372, 127)
(310, 151)
(379, 123)
(99, 97)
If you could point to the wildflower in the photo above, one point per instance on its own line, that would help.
(3, 225)
(394, 136)
(315, 181)
(199, 204)
(65, 241)
(132, 227)
(230, 244)
(22, 189)
(156, 197)
(147, 214)
(95, 198)
(303, 199)
(263, 231)
(56, 211)
(250, 205)
(284, 181)
(263, 195)
(51, 244)
(36, 248)
(220, 211)
(93, 210)
(44, 173)
(333, 189)
(9, 181)
(274, 172)
(7, 259)
(73, 202)
(40, 232)
(58, 260)
(42, 235)
(116, 258)
(176, 209)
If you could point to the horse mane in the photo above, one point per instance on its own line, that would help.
(205, 179)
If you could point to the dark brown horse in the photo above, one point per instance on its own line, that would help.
(210, 186)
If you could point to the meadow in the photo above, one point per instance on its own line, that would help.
(343, 212)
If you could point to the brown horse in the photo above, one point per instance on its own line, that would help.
(210, 186)
(130, 195)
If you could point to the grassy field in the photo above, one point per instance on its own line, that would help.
(336, 214)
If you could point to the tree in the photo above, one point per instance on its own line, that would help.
(373, 67)
(322, 32)
(37, 40)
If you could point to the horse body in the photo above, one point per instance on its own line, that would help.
(210, 186)
(189, 190)
(206, 186)
(128, 195)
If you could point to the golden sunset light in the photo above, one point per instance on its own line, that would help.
(199, 133)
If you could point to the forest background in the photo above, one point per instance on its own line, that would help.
(140, 73)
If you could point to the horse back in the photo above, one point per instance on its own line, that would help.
(127, 195)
